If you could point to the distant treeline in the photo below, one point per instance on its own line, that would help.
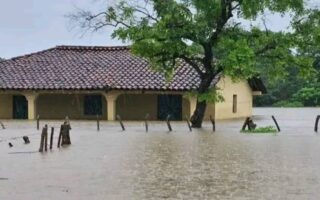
(294, 91)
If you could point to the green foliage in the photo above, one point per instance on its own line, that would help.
(205, 35)
(212, 95)
(288, 104)
(308, 96)
(208, 35)
(267, 129)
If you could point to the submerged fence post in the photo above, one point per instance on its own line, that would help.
(59, 137)
(316, 124)
(26, 139)
(38, 121)
(188, 123)
(246, 123)
(43, 137)
(2, 125)
(146, 123)
(98, 123)
(275, 121)
(51, 137)
(168, 123)
(213, 124)
(46, 139)
(120, 121)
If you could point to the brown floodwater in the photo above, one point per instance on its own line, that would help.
(112, 164)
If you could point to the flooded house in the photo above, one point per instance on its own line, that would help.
(85, 81)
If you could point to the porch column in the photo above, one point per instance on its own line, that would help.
(193, 104)
(111, 98)
(31, 98)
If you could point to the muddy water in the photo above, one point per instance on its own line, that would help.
(112, 164)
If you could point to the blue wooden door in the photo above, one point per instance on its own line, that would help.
(20, 107)
(170, 105)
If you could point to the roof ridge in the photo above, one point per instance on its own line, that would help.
(28, 54)
(96, 48)
(71, 47)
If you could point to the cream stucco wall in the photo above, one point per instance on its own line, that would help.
(210, 111)
(136, 106)
(57, 106)
(130, 105)
(223, 110)
(6, 106)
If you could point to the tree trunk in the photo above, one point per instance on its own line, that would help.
(201, 106)
(198, 114)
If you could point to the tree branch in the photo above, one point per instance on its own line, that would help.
(271, 45)
(146, 13)
(192, 64)
(226, 14)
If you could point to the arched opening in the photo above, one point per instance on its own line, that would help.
(136, 106)
(19, 107)
(158, 106)
(75, 106)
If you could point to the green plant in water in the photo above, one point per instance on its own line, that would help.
(267, 129)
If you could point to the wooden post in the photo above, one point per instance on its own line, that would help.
(38, 122)
(51, 137)
(46, 138)
(26, 139)
(246, 124)
(213, 124)
(65, 134)
(316, 124)
(275, 121)
(42, 139)
(188, 123)
(120, 121)
(59, 137)
(98, 123)
(2, 125)
(168, 123)
(146, 123)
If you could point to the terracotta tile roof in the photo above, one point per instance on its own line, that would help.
(87, 68)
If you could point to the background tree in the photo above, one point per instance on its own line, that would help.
(209, 35)
(295, 90)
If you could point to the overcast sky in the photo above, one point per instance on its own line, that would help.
(31, 25)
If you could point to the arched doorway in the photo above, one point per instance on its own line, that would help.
(170, 105)
(20, 107)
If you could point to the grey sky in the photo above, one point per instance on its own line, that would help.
(31, 25)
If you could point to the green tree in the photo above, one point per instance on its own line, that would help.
(209, 35)
(296, 90)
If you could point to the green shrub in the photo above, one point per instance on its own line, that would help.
(288, 104)
(267, 129)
